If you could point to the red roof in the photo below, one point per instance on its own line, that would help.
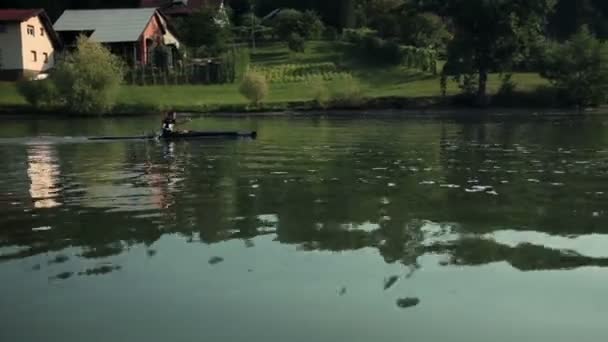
(18, 14)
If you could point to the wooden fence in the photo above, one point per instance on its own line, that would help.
(210, 72)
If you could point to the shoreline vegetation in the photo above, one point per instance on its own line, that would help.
(315, 80)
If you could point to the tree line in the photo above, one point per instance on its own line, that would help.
(560, 39)
(567, 17)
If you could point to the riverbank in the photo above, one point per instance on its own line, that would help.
(294, 86)
(215, 100)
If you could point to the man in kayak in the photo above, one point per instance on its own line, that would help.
(168, 124)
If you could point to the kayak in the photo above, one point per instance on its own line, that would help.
(195, 135)
(184, 135)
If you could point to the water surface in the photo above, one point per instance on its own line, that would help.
(316, 231)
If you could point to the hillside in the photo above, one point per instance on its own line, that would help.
(290, 75)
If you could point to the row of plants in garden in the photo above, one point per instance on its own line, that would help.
(289, 73)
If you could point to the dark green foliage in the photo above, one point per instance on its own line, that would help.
(88, 79)
(579, 68)
(356, 36)
(491, 36)
(202, 32)
(289, 21)
(242, 59)
(38, 93)
(234, 65)
(425, 30)
(507, 85)
(296, 43)
(331, 33)
(162, 57)
(337, 13)
(366, 46)
(571, 14)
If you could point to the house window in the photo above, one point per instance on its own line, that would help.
(31, 31)
(42, 31)
(34, 56)
(46, 57)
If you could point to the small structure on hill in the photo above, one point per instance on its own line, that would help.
(27, 43)
(133, 33)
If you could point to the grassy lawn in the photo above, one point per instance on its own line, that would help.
(9, 94)
(374, 81)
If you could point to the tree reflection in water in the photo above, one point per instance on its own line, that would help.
(320, 194)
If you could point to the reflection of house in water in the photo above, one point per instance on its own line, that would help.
(43, 171)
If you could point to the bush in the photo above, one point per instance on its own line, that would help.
(346, 92)
(242, 61)
(38, 93)
(314, 25)
(254, 87)
(320, 91)
(507, 85)
(356, 36)
(377, 51)
(296, 43)
(391, 53)
(425, 30)
(331, 33)
(579, 68)
(89, 78)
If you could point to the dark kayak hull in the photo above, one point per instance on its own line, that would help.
(185, 136)
(199, 135)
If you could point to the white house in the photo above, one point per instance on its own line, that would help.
(27, 43)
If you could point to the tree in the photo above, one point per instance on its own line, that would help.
(570, 15)
(305, 24)
(87, 80)
(381, 15)
(490, 35)
(204, 32)
(296, 43)
(579, 68)
(424, 30)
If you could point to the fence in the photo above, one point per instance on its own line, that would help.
(208, 72)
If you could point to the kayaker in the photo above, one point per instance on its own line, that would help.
(169, 122)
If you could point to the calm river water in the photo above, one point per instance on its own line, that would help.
(320, 230)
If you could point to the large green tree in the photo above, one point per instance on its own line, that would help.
(491, 34)
(570, 15)
(579, 68)
(205, 32)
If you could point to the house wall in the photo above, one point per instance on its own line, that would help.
(10, 47)
(40, 43)
(154, 32)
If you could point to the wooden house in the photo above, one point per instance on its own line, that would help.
(132, 33)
